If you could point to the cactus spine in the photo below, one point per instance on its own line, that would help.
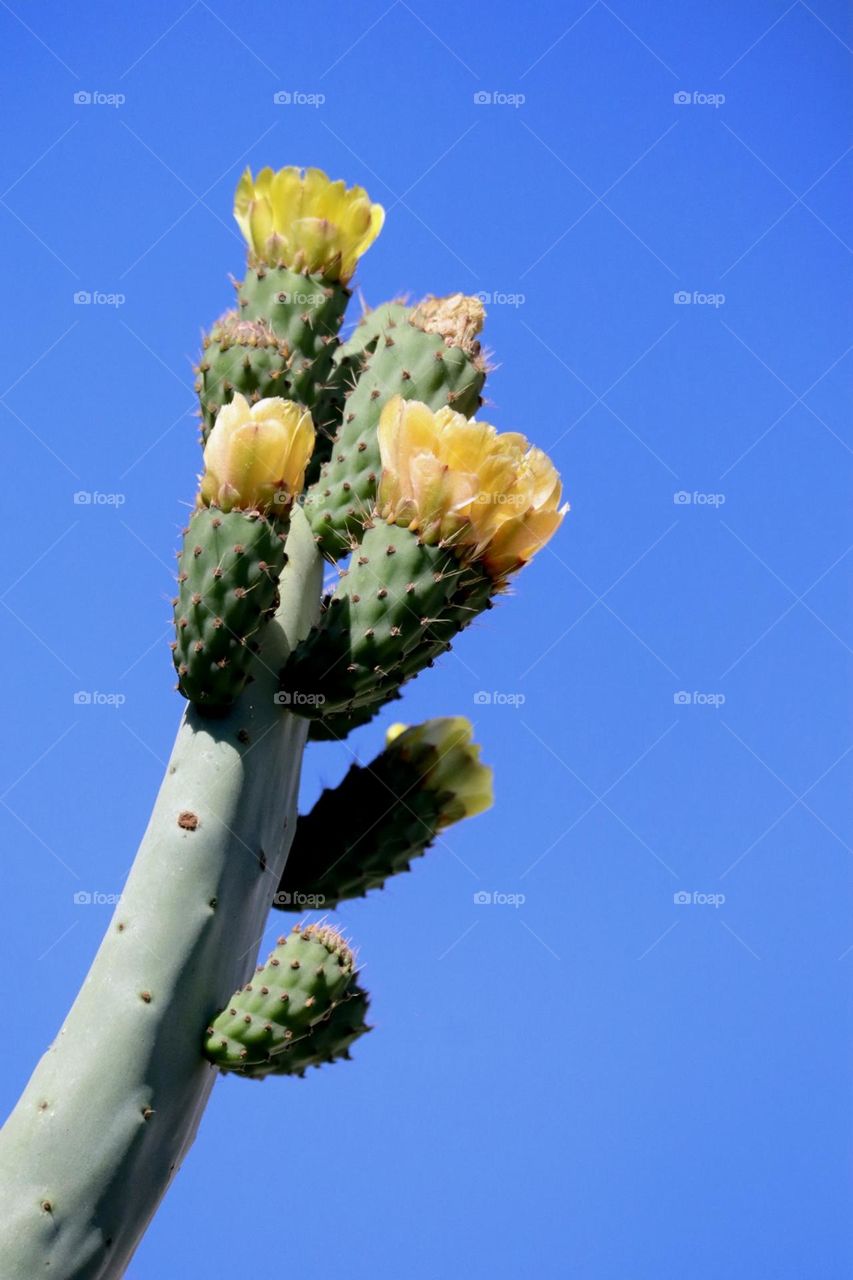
(438, 511)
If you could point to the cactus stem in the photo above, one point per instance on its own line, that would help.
(126, 1078)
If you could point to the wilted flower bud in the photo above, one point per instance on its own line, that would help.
(448, 760)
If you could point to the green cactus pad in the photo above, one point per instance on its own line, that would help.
(244, 356)
(334, 728)
(377, 619)
(374, 324)
(391, 818)
(472, 592)
(229, 569)
(408, 360)
(327, 1041)
(303, 980)
(305, 312)
(349, 362)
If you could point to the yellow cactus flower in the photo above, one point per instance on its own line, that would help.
(303, 220)
(449, 761)
(256, 455)
(491, 496)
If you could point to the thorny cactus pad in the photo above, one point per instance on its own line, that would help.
(427, 778)
(429, 353)
(301, 983)
(234, 546)
(329, 1040)
(436, 512)
(460, 506)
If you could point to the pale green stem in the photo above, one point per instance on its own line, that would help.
(114, 1104)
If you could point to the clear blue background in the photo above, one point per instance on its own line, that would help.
(601, 1082)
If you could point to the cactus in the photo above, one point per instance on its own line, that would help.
(328, 1040)
(301, 983)
(243, 357)
(460, 507)
(335, 727)
(429, 353)
(234, 546)
(439, 512)
(427, 777)
(349, 361)
(305, 236)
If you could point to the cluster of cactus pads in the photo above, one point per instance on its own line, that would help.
(433, 510)
(364, 452)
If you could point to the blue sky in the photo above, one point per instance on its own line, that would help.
(601, 1081)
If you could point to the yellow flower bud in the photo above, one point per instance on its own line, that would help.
(256, 455)
(449, 760)
(303, 220)
(491, 496)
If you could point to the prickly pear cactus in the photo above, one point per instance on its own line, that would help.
(438, 511)
(301, 983)
(459, 508)
(231, 562)
(429, 353)
(304, 313)
(328, 1040)
(427, 777)
(379, 614)
(242, 356)
(336, 726)
(234, 546)
(350, 360)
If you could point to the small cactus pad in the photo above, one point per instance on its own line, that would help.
(303, 980)
(421, 356)
(244, 356)
(229, 569)
(391, 818)
(327, 1041)
(379, 616)
(303, 311)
